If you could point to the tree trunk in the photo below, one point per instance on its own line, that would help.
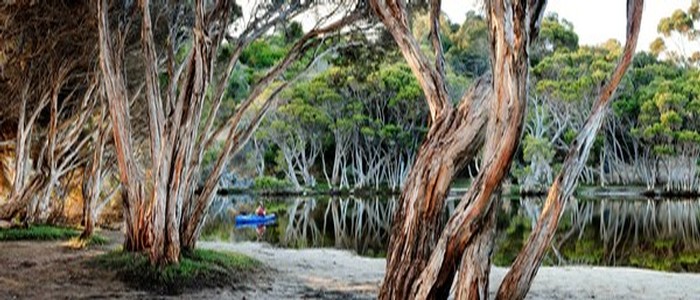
(510, 25)
(18, 206)
(454, 138)
(518, 280)
(475, 267)
(449, 145)
(136, 211)
(137, 236)
(18, 200)
(193, 218)
(474, 270)
(88, 220)
(92, 178)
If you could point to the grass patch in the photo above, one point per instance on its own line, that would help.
(46, 233)
(199, 269)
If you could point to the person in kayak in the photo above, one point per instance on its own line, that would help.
(261, 209)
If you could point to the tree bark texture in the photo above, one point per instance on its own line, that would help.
(474, 270)
(518, 280)
(136, 212)
(509, 25)
(93, 177)
(456, 134)
(162, 201)
(196, 206)
(452, 141)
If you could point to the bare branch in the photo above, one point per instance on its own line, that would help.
(307, 41)
(518, 280)
(435, 38)
(393, 15)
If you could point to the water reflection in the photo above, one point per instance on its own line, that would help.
(659, 234)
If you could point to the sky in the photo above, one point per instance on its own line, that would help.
(595, 21)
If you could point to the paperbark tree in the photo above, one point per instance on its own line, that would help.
(20, 190)
(45, 71)
(95, 174)
(59, 147)
(518, 280)
(162, 211)
(63, 151)
(454, 137)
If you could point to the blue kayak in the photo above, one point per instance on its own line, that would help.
(255, 219)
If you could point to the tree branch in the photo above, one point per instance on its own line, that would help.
(393, 15)
(517, 282)
(435, 38)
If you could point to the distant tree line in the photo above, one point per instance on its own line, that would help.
(356, 122)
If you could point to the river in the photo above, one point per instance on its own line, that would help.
(660, 234)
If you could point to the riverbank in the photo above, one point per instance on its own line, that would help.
(510, 191)
(40, 270)
(333, 274)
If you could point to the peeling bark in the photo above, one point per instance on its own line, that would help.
(136, 212)
(449, 145)
(518, 280)
(456, 134)
(162, 210)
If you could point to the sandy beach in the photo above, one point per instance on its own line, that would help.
(342, 274)
(41, 270)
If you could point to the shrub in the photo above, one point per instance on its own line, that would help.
(200, 268)
(271, 184)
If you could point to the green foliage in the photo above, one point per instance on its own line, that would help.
(201, 268)
(262, 54)
(555, 35)
(270, 184)
(45, 233)
(585, 251)
(212, 154)
(537, 147)
(469, 54)
(679, 30)
(572, 76)
(293, 32)
(669, 110)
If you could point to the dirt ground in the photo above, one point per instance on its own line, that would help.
(49, 270)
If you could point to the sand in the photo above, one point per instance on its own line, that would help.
(344, 274)
(48, 270)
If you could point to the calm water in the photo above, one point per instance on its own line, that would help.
(656, 234)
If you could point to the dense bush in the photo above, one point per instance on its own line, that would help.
(271, 184)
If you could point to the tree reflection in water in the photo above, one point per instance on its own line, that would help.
(652, 233)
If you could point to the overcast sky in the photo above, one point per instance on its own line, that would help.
(595, 21)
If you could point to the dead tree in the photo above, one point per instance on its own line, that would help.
(518, 280)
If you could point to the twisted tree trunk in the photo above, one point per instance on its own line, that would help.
(452, 141)
(456, 134)
(509, 24)
(474, 270)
